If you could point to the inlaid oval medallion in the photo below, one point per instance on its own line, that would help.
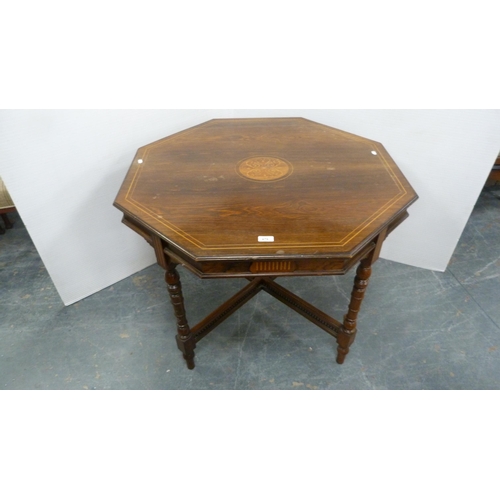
(264, 168)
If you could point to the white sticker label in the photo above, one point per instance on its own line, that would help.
(265, 238)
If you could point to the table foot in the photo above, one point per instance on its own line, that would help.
(341, 354)
(347, 333)
(185, 339)
(344, 341)
(186, 346)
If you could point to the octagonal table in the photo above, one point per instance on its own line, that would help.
(264, 199)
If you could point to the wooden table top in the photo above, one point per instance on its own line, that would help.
(243, 188)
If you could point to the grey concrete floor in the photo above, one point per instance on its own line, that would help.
(417, 329)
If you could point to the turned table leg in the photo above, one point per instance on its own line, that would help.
(184, 337)
(348, 331)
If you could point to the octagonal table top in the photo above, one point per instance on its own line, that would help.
(234, 188)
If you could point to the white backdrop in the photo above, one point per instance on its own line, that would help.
(64, 168)
(445, 154)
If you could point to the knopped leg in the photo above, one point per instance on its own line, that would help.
(348, 331)
(185, 339)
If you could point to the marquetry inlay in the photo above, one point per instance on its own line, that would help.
(264, 168)
(273, 265)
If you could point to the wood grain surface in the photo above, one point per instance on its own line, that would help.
(211, 191)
